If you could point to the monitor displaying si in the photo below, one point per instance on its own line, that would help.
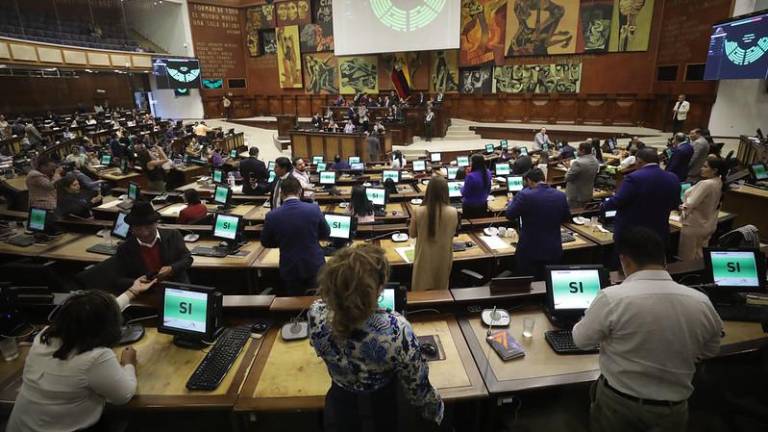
(378, 196)
(37, 219)
(419, 165)
(391, 174)
(462, 161)
(226, 227)
(189, 312)
(106, 159)
(120, 227)
(489, 148)
(737, 48)
(327, 177)
(572, 288)
(233, 153)
(436, 157)
(515, 183)
(272, 176)
(341, 226)
(217, 176)
(502, 169)
(684, 187)
(271, 166)
(315, 160)
(504, 144)
(322, 166)
(454, 189)
(357, 166)
(354, 159)
(452, 171)
(758, 171)
(222, 195)
(133, 191)
(736, 269)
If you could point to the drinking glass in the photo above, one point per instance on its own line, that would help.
(528, 325)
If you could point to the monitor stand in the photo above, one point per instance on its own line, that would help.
(195, 342)
(224, 209)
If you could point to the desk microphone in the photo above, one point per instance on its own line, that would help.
(382, 236)
(295, 329)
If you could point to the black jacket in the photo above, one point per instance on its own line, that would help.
(255, 170)
(522, 165)
(173, 252)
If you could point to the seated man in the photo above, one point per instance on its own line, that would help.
(151, 251)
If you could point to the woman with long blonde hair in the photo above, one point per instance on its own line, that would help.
(433, 225)
(368, 350)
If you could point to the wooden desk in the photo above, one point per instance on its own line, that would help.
(493, 244)
(270, 257)
(751, 207)
(17, 184)
(722, 217)
(272, 383)
(110, 206)
(118, 179)
(593, 235)
(475, 252)
(394, 212)
(308, 143)
(38, 249)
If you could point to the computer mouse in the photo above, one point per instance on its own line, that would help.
(259, 327)
(343, 205)
(416, 201)
(399, 237)
(491, 231)
(469, 244)
(429, 349)
(191, 238)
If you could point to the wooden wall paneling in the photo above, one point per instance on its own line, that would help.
(289, 105)
(348, 147)
(593, 110)
(262, 106)
(300, 146)
(567, 110)
(540, 108)
(512, 109)
(317, 147)
(317, 104)
(275, 105)
(332, 146)
(488, 109)
(303, 106)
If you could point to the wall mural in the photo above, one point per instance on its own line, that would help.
(445, 71)
(537, 78)
(261, 17)
(594, 26)
(631, 25)
(288, 56)
(477, 80)
(358, 74)
(268, 42)
(253, 42)
(541, 27)
(292, 12)
(314, 38)
(415, 67)
(320, 74)
(482, 31)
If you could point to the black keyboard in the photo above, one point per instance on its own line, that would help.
(561, 342)
(22, 240)
(566, 237)
(215, 252)
(457, 206)
(103, 249)
(219, 359)
(744, 312)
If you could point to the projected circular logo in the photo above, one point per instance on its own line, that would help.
(403, 16)
(744, 56)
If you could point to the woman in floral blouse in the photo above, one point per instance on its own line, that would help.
(367, 350)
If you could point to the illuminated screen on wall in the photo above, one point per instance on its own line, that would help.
(398, 25)
(738, 48)
(176, 73)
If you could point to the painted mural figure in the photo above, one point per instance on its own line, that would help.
(444, 80)
(321, 75)
(357, 74)
(628, 11)
(536, 40)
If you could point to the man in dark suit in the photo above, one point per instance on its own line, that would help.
(296, 228)
(540, 209)
(151, 251)
(522, 163)
(646, 197)
(682, 151)
(283, 170)
(254, 173)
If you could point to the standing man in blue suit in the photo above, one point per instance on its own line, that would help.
(682, 151)
(296, 228)
(541, 210)
(646, 197)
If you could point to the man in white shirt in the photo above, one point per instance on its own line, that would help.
(300, 173)
(680, 114)
(349, 127)
(541, 140)
(652, 331)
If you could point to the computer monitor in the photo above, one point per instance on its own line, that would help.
(217, 176)
(462, 161)
(378, 196)
(571, 289)
(271, 166)
(419, 166)
(515, 183)
(357, 167)
(354, 159)
(454, 189)
(489, 148)
(37, 220)
(120, 227)
(738, 270)
(106, 159)
(684, 187)
(327, 177)
(758, 171)
(342, 226)
(390, 174)
(191, 313)
(393, 298)
(504, 144)
(134, 192)
(436, 157)
(524, 151)
(452, 171)
(227, 227)
(222, 195)
(233, 153)
(322, 166)
(608, 216)
(316, 160)
(502, 169)
(272, 176)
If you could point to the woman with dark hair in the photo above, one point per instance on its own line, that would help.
(477, 187)
(370, 351)
(71, 371)
(360, 206)
(71, 200)
(698, 213)
(433, 225)
(195, 209)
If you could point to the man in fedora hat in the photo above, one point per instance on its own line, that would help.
(152, 251)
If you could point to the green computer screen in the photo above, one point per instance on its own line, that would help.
(684, 187)
(36, 220)
(272, 176)
(316, 160)
(378, 196)
(226, 227)
(394, 175)
(489, 148)
(233, 153)
(341, 226)
(435, 157)
(221, 194)
(760, 172)
(504, 144)
(327, 177)
(217, 175)
(106, 159)
(462, 161)
(515, 183)
(133, 191)
(452, 171)
(321, 166)
(387, 299)
(354, 159)
(454, 189)
(271, 166)
(574, 289)
(419, 165)
(523, 150)
(502, 169)
(734, 269)
(185, 310)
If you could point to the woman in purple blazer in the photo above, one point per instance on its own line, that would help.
(477, 187)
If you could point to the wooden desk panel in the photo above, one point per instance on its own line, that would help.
(511, 242)
(596, 236)
(10, 378)
(38, 249)
(473, 252)
(267, 389)
(674, 218)
(394, 212)
(270, 257)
